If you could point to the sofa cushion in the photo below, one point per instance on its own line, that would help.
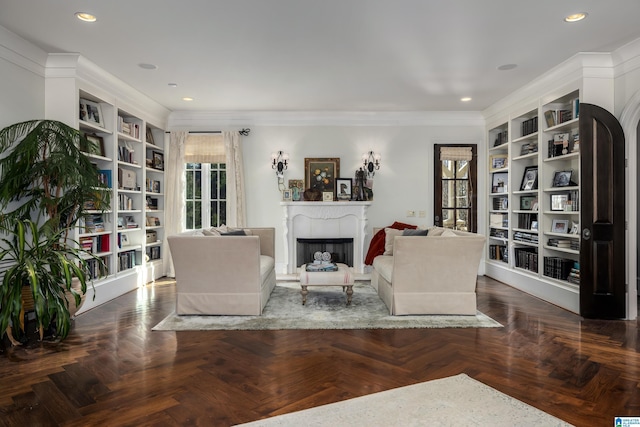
(390, 234)
(448, 233)
(383, 264)
(267, 264)
(435, 231)
(234, 233)
(376, 247)
(416, 232)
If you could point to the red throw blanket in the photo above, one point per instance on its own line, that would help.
(376, 247)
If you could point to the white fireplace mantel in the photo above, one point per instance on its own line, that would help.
(317, 220)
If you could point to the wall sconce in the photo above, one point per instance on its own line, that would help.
(371, 162)
(279, 162)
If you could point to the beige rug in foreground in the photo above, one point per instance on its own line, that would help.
(454, 401)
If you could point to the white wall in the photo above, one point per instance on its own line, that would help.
(22, 82)
(404, 181)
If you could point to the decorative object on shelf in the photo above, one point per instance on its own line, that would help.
(312, 195)
(498, 161)
(279, 162)
(499, 182)
(344, 188)
(560, 226)
(529, 178)
(371, 162)
(575, 228)
(562, 178)
(91, 112)
(361, 191)
(158, 161)
(26, 165)
(320, 173)
(327, 196)
(94, 145)
(287, 195)
(297, 187)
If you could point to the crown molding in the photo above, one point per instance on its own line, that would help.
(572, 71)
(206, 120)
(74, 65)
(22, 53)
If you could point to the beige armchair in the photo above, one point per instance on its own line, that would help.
(223, 275)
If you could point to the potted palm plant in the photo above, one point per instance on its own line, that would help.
(45, 181)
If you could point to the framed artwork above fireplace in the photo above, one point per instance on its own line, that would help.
(321, 173)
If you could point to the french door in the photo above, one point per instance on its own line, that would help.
(455, 193)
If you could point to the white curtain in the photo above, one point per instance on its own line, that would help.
(236, 205)
(174, 192)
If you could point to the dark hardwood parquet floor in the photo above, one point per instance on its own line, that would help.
(113, 370)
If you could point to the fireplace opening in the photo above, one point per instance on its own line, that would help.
(341, 250)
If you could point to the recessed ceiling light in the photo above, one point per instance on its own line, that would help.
(148, 66)
(172, 84)
(186, 98)
(87, 17)
(507, 67)
(576, 17)
(465, 99)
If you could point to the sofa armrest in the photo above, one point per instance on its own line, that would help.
(267, 237)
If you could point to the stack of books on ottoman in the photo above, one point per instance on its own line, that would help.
(322, 262)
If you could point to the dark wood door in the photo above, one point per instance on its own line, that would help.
(602, 210)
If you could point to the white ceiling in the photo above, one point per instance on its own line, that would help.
(325, 55)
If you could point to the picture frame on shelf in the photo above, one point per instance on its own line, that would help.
(91, 112)
(327, 196)
(94, 145)
(344, 188)
(158, 160)
(320, 173)
(529, 178)
(121, 222)
(560, 226)
(149, 136)
(562, 178)
(124, 239)
(286, 195)
(559, 201)
(499, 182)
(534, 225)
(498, 161)
(527, 202)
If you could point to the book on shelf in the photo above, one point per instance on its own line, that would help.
(530, 126)
(526, 258)
(557, 267)
(104, 175)
(92, 223)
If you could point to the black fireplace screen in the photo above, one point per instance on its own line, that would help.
(341, 250)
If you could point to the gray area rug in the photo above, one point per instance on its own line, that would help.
(325, 309)
(454, 401)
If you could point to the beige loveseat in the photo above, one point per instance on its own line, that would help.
(224, 275)
(435, 274)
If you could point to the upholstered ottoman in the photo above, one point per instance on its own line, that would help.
(342, 277)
